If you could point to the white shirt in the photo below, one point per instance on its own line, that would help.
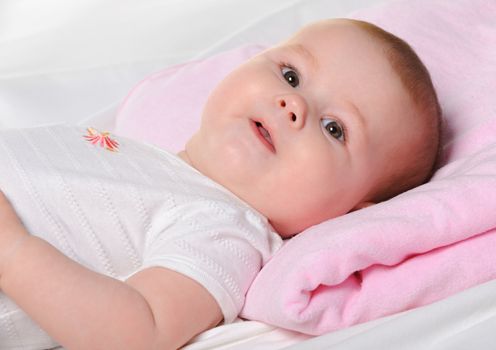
(120, 211)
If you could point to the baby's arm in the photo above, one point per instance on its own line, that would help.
(156, 308)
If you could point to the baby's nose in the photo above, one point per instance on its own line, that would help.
(294, 108)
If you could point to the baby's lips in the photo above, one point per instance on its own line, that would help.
(264, 134)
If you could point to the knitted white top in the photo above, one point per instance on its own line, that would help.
(118, 208)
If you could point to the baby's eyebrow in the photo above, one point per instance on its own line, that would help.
(302, 51)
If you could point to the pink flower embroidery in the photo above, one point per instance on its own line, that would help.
(101, 138)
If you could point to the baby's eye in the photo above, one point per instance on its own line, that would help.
(334, 129)
(291, 76)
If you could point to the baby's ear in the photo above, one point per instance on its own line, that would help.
(362, 205)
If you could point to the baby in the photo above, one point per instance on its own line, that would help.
(131, 247)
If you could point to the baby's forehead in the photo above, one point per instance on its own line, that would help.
(338, 37)
(335, 26)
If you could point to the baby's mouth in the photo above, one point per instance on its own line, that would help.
(264, 133)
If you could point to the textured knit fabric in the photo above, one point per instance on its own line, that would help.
(118, 209)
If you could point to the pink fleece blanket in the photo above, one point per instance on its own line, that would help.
(427, 243)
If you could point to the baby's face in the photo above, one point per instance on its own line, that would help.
(304, 131)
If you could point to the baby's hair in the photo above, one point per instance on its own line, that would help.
(417, 81)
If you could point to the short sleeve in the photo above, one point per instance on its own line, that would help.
(220, 246)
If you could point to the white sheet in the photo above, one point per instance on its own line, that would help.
(70, 61)
(464, 321)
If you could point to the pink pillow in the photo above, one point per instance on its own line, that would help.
(165, 108)
(456, 40)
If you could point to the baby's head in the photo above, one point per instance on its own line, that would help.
(340, 116)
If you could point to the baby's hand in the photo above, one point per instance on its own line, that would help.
(12, 231)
